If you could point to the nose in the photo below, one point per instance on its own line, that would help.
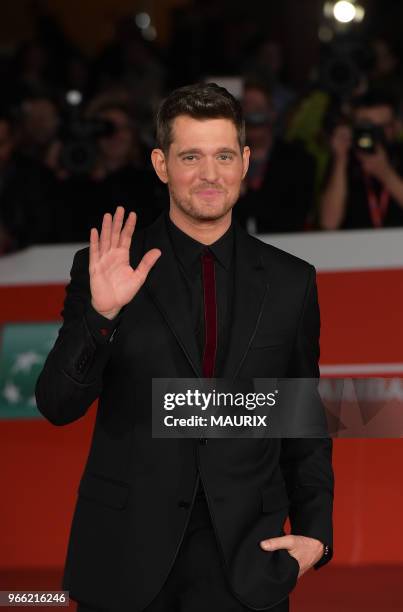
(208, 170)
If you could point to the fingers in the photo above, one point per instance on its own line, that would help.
(112, 234)
(127, 231)
(147, 263)
(94, 246)
(105, 239)
(117, 225)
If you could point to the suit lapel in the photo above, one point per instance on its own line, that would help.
(168, 291)
(250, 289)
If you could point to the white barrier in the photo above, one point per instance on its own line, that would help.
(327, 251)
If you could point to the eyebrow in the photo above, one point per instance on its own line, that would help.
(199, 151)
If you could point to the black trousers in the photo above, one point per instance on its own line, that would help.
(197, 581)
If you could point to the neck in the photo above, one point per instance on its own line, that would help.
(206, 232)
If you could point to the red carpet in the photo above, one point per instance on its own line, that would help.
(331, 589)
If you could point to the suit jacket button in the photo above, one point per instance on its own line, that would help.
(183, 504)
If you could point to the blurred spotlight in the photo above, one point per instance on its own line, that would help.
(359, 12)
(143, 20)
(344, 11)
(74, 97)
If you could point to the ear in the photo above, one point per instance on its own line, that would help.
(159, 163)
(245, 161)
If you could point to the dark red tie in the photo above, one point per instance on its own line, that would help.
(210, 314)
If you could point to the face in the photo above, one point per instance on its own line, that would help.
(382, 116)
(41, 120)
(204, 167)
(256, 103)
(385, 60)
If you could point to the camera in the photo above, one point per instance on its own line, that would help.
(344, 63)
(366, 137)
(79, 138)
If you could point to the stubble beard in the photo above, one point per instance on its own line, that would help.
(196, 212)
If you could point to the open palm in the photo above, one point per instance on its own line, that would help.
(113, 281)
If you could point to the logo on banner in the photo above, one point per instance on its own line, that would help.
(23, 350)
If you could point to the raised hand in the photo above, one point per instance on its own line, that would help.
(341, 141)
(113, 281)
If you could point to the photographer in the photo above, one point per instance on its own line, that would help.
(111, 173)
(278, 191)
(26, 212)
(364, 187)
(38, 127)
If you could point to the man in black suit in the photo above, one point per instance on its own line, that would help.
(188, 524)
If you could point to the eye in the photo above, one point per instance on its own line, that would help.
(225, 156)
(189, 158)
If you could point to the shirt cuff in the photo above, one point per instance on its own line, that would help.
(325, 558)
(101, 328)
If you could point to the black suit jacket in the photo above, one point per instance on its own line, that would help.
(136, 492)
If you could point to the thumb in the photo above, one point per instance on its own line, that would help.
(277, 543)
(147, 262)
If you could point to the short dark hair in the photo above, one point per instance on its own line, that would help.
(200, 101)
(374, 98)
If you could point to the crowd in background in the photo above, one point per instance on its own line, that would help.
(76, 133)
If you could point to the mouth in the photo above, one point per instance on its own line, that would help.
(208, 193)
